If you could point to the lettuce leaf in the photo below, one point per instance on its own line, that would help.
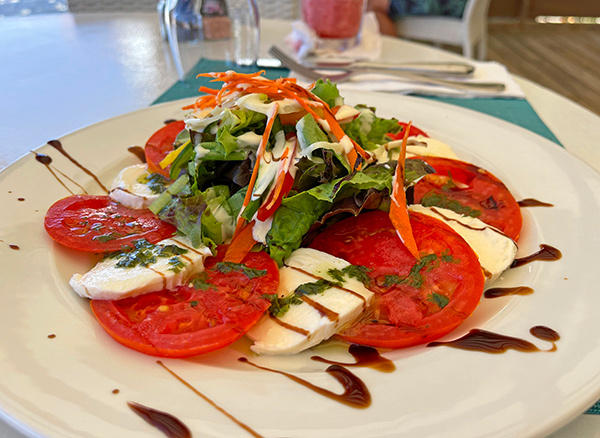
(291, 222)
(327, 92)
(368, 130)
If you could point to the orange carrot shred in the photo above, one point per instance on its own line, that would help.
(259, 154)
(398, 209)
(241, 244)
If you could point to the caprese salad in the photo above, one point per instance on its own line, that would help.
(280, 213)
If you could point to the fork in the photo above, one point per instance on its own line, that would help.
(314, 75)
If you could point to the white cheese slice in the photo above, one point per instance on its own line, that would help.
(428, 146)
(319, 316)
(106, 281)
(127, 190)
(495, 250)
(416, 145)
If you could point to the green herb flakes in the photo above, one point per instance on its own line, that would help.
(228, 267)
(440, 300)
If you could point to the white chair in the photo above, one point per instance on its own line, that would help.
(470, 31)
(287, 9)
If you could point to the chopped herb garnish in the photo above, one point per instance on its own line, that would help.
(108, 237)
(314, 288)
(228, 267)
(155, 182)
(414, 277)
(449, 258)
(193, 303)
(354, 271)
(176, 264)
(279, 306)
(433, 199)
(144, 253)
(440, 300)
(200, 281)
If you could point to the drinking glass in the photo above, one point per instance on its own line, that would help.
(337, 23)
(215, 29)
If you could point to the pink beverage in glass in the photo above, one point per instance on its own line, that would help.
(334, 19)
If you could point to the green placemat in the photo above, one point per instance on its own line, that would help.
(189, 86)
(517, 111)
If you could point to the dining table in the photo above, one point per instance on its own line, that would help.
(64, 71)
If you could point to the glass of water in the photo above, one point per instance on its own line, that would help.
(227, 30)
(245, 31)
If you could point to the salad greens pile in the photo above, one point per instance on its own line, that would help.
(217, 153)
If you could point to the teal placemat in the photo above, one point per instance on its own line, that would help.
(189, 86)
(517, 111)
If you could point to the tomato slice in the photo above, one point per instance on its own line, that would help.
(160, 144)
(412, 132)
(415, 302)
(187, 321)
(472, 191)
(99, 224)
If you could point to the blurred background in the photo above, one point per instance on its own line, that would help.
(555, 43)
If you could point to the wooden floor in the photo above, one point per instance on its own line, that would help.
(563, 58)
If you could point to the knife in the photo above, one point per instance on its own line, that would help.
(427, 68)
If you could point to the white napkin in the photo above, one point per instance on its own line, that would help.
(303, 41)
(484, 72)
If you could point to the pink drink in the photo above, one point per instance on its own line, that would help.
(338, 19)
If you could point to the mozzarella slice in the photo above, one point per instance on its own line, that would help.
(416, 145)
(495, 250)
(107, 281)
(318, 316)
(428, 146)
(129, 191)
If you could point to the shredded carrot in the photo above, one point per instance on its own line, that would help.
(398, 209)
(259, 154)
(241, 244)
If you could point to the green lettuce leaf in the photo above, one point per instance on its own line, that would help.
(327, 92)
(368, 130)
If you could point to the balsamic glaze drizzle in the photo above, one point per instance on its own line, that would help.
(496, 292)
(546, 253)
(355, 392)
(489, 342)
(365, 357)
(167, 423)
(59, 147)
(212, 403)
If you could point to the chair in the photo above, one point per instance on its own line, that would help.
(469, 31)
(287, 9)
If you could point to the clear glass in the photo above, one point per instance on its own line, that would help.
(245, 26)
(160, 8)
(214, 29)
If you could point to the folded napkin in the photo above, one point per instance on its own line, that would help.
(304, 42)
(484, 72)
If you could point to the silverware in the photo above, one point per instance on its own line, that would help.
(425, 68)
(313, 75)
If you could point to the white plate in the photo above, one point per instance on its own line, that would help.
(63, 387)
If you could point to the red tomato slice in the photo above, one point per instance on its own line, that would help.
(482, 194)
(99, 224)
(413, 132)
(160, 144)
(411, 306)
(186, 321)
